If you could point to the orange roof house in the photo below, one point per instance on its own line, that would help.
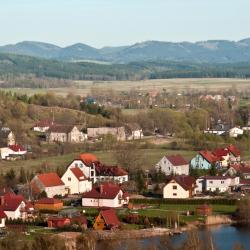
(107, 219)
(88, 159)
(51, 183)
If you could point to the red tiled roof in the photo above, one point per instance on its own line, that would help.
(78, 173)
(11, 202)
(50, 179)
(209, 156)
(48, 201)
(218, 177)
(244, 169)
(88, 158)
(234, 150)
(110, 217)
(17, 148)
(186, 181)
(177, 160)
(220, 152)
(82, 220)
(2, 214)
(104, 191)
(104, 170)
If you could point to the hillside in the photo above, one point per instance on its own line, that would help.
(212, 51)
(17, 65)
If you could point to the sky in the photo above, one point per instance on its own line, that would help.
(122, 22)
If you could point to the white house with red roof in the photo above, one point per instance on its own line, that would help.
(12, 151)
(75, 181)
(105, 195)
(51, 183)
(242, 170)
(94, 170)
(179, 187)
(173, 164)
(13, 206)
(216, 183)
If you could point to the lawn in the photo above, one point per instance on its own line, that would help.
(152, 156)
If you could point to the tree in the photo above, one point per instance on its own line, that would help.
(213, 170)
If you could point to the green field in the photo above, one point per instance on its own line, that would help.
(87, 87)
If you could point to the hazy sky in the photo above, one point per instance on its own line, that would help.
(122, 22)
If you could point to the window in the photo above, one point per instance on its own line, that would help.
(69, 178)
(76, 165)
(222, 182)
(174, 187)
(174, 194)
(211, 182)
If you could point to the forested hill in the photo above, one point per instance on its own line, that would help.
(17, 65)
(212, 51)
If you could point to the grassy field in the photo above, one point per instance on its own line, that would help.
(152, 156)
(86, 87)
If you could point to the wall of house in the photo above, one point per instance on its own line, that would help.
(221, 185)
(56, 190)
(53, 207)
(199, 162)
(41, 129)
(57, 137)
(174, 190)
(75, 136)
(15, 214)
(2, 222)
(168, 168)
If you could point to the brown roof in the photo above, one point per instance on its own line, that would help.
(88, 159)
(177, 160)
(65, 129)
(110, 218)
(234, 150)
(104, 191)
(104, 170)
(50, 179)
(186, 181)
(78, 173)
(44, 123)
(48, 201)
(11, 202)
(209, 156)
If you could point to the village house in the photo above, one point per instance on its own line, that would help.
(223, 155)
(43, 126)
(13, 206)
(179, 187)
(49, 183)
(133, 132)
(75, 181)
(7, 137)
(13, 152)
(94, 170)
(241, 170)
(216, 184)
(118, 132)
(64, 133)
(173, 165)
(49, 204)
(105, 195)
(106, 220)
(235, 132)
(220, 129)
(234, 153)
(60, 222)
(204, 160)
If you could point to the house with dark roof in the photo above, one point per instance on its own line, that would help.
(51, 183)
(64, 133)
(105, 195)
(75, 181)
(179, 187)
(11, 152)
(107, 220)
(173, 165)
(43, 126)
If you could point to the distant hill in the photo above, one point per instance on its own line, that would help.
(213, 51)
(14, 66)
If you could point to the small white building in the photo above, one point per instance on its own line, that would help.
(43, 126)
(50, 183)
(216, 183)
(75, 181)
(3, 217)
(173, 165)
(105, 195)
(179, 187)
(235, 132)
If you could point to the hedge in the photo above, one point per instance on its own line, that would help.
(185, 201)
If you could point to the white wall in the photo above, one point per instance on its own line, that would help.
(56, 190)
(15, 214)
(2, 222)
(174, 190)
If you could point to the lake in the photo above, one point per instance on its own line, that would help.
(224, 238)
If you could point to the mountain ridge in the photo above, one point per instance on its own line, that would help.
(209, 51)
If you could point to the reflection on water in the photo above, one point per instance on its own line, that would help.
(224, 238)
